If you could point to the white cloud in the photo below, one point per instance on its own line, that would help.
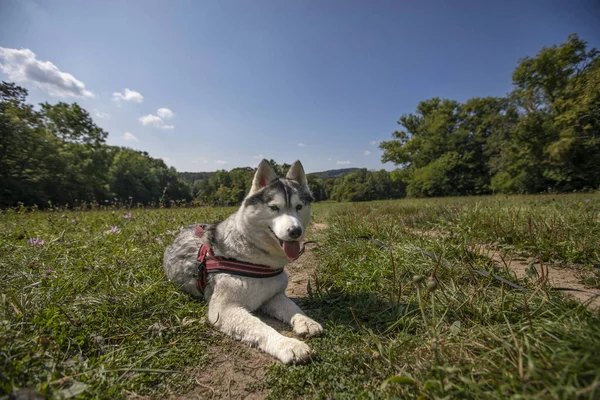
(222, 162)
(259, 157)
(101, 115)
(367, 152)
(200, 160)
(374, 142)
(301, 145)
(329, 159)
(343, 162)
(130, 137)
(152, 120)
(21, 65)
(164, 113)
(155, 121)
(128, 95)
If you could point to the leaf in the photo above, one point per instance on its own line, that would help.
(455, 328)
(399, 380)
(75, 389)
(431, 385)
(450, 370)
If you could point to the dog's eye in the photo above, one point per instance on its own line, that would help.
(274, 208)
(299, 207)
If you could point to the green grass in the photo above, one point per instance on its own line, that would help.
(93, 308)
(473, 337)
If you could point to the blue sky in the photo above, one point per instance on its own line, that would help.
(218, 84)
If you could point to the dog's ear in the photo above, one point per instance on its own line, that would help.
(296, 173)
(263, 177)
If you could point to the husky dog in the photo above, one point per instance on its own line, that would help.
(266, 231)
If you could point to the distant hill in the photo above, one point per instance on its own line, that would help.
(191, 177)
(333, 173)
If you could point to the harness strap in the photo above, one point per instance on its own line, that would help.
(209, 264)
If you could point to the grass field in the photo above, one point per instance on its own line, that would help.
(86, 310)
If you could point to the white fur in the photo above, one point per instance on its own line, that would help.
(246, 236)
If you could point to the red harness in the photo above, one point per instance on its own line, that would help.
(209, 264)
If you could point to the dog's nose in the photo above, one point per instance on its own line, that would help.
(295, 232)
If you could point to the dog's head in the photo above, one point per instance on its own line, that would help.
(280, 205)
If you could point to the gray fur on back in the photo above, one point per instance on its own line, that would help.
(180, 260)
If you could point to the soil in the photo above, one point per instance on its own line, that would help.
(553, 275)
(567, 277)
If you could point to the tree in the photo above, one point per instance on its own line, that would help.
(556, 143)
(58, 155)
(364, 185)
(316, 187)
(544, 136)
(136, 176)
(71, 124)
(445, 145)
(27, 150)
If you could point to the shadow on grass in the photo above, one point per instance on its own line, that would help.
(356, 311)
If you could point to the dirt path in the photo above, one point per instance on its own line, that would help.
(557, 277)
(237, 371)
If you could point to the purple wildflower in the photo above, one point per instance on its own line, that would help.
(586, 200)
(113, 229)
(36, 241)
(127, 215)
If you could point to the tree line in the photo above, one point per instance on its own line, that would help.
(544, 136)
(230, 187)
(58, 155)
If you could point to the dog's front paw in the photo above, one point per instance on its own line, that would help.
(292, 351)
(305, 326)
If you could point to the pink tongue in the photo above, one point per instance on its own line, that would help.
(292, 249)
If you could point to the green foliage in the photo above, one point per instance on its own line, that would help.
(58, 155)
(445, 146)
(364, 185)
(557, 93)
(191, 177)
(140, 178)
(545, 136)
(317, 188)
(71, 123)
(223, 188)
